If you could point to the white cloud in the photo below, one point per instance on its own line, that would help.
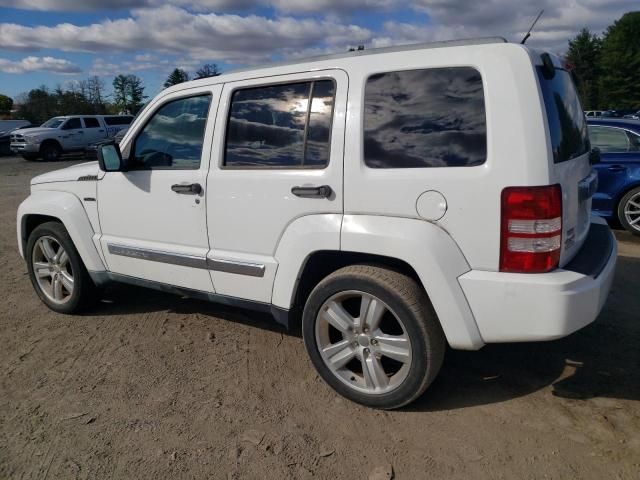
(297, 6)
(44, 64)
(171, 30)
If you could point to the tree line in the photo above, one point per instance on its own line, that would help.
(88, 97)
(606, 67)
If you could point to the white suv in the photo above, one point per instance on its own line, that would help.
(397, 200)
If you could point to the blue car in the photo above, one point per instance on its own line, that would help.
(618, 195)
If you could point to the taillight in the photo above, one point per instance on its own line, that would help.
(531, 229)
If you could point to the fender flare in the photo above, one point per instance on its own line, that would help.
(67, 208)
(435, 257)
(426, 247)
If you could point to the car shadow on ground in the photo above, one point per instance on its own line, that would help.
(601, 360)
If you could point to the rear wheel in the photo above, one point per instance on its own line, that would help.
(50, 152)
(56, 269)
(373, 336)
(629, 211)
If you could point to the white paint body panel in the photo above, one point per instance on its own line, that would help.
(249, 210)
(138, 209)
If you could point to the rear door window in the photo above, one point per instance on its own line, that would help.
(91, 122)
(609, 140)
(425, 118)
(567, 124)
(280, 126)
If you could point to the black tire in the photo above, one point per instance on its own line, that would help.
(84, 291)
(409, 302)
(50, 152)
(624, 205)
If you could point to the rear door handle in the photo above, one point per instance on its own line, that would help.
(189, 189)
(616, 168)
(323, 191)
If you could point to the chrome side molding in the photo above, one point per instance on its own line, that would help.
(232, 266)
(193, 261)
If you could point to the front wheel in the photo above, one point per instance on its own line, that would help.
(50, 152)
(629, 211)
(373, 336)
(56, 269)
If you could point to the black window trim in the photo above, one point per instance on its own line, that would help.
(132, 152)
(302, 166)
(414, 69)
(90, 118)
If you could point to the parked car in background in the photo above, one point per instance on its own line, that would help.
(91, 150)
(618, 195)
(593, 113)
(633, 116)
(6, 127)
(70, 133)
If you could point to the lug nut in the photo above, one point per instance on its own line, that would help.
(366, 350)
(374, 341)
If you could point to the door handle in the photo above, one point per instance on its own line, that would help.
(189, 189)
(616, 168)
(323, 191)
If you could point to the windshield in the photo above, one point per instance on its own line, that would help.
(567, 125)
(54, 122)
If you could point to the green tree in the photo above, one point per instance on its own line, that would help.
(38, 105)
(208, 70)
(620, 63)
(128, 94)
(583, 58)
(177, 76)
(6, 104)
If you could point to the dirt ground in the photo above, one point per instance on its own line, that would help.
(149, 385)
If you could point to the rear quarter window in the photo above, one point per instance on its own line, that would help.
(567, 124)
(425, 118)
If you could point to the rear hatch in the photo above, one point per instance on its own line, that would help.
(569, 164)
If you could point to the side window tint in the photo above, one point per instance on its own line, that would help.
(319, 129)
(91, 123)
(277, 126)
(610, 140)
(425, 118)
(173, 137)
(72, 123)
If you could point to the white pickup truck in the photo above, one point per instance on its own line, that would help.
(72, 133)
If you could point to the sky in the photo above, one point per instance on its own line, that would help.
(58, 42)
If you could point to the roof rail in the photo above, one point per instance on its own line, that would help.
(374, 51)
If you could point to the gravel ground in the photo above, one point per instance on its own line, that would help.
(149, 385)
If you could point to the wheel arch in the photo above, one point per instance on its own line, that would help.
(51, 141)
(313, 249)
(66, 208)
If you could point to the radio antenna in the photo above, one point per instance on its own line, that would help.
(526, 37)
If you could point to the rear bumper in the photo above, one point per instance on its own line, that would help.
(513, 307)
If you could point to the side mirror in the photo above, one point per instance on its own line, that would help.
(109, 157)
(594, 156)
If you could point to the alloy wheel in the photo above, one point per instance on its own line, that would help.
(632, 212)
(52, 269)
(363, 342)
